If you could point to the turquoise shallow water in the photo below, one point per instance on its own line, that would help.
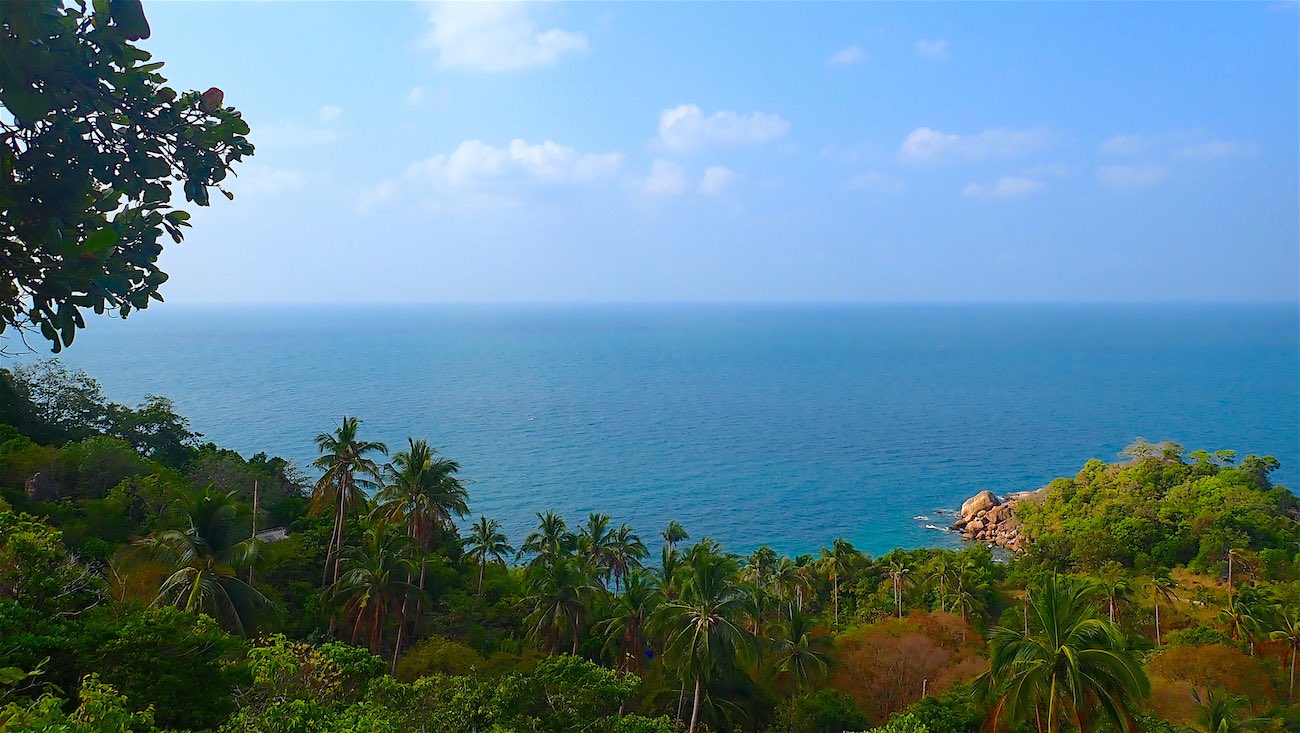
(787, 425)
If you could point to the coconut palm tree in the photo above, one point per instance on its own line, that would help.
(551, 539)
(627, 621)
(561, 592)
(1288, 630)
(674, 533)
(1069, 668)
(834, 563)
(800, 657)
(900, 574)
(943, 572)
(596, 544)
(1219, 712)
(625, 553)
(787, 583)
(1113, 584)
(347, 472)
(703, 628)
(670, 560)
(205, 558)
(375, 582)
(1241, 618)
(1162, 587)
(486, 542)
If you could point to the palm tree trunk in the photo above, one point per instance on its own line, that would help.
(1290, 695)
(329, 553)
(836, 588)
(1110, 606)
(1157, 605)
(695, 708)
(338, 555)
(397, 647)
(482, 568)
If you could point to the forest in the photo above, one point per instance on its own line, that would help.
(141, 590)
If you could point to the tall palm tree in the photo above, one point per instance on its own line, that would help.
(596, 544)
(674, 533)
(1162, 588)
(375, 582)
(787, 583)
(550, 540)
(626, 552)
(670, 560)
(705, 635)
(834, 563)
(801, 658)
(347, 472)
(486, 542)
(1288, 630)
(900, 574)
(1069, 667)
(1241, 618)
(205, 558)
(1114, 585)
(627, 621)
(942, 574)
(561, 594)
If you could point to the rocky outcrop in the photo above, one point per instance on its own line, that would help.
(986, 518)
(41, 488)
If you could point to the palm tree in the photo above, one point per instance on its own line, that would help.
(626, 553)
(421, 492)
(899, 574)
(205, 558)
(376, 582)
(1240, 618)
(596, 544)
(628, 619)
(674, 533)
(801, 657)
(787, 583)
(1219, 712)
(834, 562)
(705, 636)
(341, 488)
(1068, 668)
(550, 540)
(1288, 630)
(486, 541)
(670, 560)
(942, 572)
(1162, 588)
(1114, 586)
(561, 593)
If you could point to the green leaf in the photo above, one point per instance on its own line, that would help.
(100, 240)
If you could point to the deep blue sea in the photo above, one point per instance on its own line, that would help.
(784, 425)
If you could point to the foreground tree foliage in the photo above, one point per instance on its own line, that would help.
(134, 593)
(92, 143)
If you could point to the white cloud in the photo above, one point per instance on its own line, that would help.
(1122, 145)
(666, 179)
(1128, 177)
(935, 49)
(1214, 150)
(475, 163)
(495, 37)
(715, 180)
(292, 133)
(685, 127)
(376, 196)
(330, 112)
(1007, 187)
(263, 181)
(847, 57)
(415, 96)
(924, 145)
(876, 182)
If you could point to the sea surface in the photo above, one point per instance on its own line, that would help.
(781, 425)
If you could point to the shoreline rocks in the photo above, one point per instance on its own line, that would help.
(987, 518)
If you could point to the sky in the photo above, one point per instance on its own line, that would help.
(770, 152)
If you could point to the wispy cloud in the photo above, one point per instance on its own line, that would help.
(293, 133)
(495, 37)
(934, 49)
(1124, 145)
(474, 164)
(716, 180)
(685, 127)
(847, 57)
(1007, 187)
(1215, 149)
(876, 182)
(925, 145)
(259, 181)
(1130, 177)
(666, 179)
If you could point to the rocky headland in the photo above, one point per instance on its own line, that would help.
(987, 518)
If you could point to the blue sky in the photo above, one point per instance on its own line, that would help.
(413, 152)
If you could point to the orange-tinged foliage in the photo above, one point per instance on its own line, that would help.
(1177, 671)
(883, 666)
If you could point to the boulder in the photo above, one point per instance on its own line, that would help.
(981, 502)
(975, 526)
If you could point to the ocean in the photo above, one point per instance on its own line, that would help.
(758, 424)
